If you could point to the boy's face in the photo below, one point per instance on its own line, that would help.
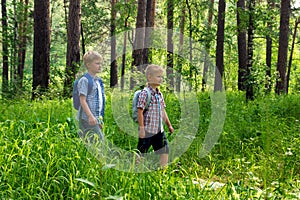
(156, 78)
(94, 66)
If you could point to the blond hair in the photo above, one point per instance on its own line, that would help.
(153, 69)
(91, 56)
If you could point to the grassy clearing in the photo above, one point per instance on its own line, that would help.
(257, 156)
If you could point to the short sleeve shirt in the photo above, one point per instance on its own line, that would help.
(94, 98)
(153, 114)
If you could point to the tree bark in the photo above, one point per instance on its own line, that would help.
(170, 48)
(220, 47)
(113, 63)
(73, 46)
(180, 50)
(66, 12)
(250, 49)
(124, 57)
(283, 46)
(22, 43)
(41, 49)
(207, 45)
(5, 51)
(271, 5)
(139, 39)
(291, 56)
(190, 42)
(82, 39)
(150, 15)
(242, 46)
(139, 35)
(14, 47)
(124, 51)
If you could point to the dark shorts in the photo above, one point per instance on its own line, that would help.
(158, 141)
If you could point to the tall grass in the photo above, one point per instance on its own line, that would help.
(256, 157)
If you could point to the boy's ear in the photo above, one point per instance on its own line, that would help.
(148, 77)
(87, 65)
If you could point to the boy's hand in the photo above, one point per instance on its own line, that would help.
(93, 121)
(142, 132)
(171, 129)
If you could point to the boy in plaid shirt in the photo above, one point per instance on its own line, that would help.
(151, 130)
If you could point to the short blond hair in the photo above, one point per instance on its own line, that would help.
(153, 69)
(91, 56)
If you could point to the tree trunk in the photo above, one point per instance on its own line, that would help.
(170, 48)
(190, 42)
(291, 56)
(124, 51)
(271, 6)
(41, 49)
(138, 46)
(22, 43)
(180, 50)
(124, 57)
(250, 49)
(207, 45)
(14, 47)
(5, 51)
(139, 35)
(82, 39)
(73, 46)
(220, 47)
(150, 15)
(66, 12)
(283, 46)
(113, 63)
(242, 46)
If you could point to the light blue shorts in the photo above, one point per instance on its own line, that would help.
(91, 134)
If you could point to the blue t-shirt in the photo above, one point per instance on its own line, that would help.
(95, 99)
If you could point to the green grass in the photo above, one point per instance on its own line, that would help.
(256, 157)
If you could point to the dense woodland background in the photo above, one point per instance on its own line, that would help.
(253, 44)
(250, 48)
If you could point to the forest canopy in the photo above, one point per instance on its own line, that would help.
(253, 44)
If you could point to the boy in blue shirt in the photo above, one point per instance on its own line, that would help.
(92, 104)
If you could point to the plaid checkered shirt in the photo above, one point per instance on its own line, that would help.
(152, 116)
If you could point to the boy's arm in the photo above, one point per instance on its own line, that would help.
(92, 120)
(167, 121)
(141, 123)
